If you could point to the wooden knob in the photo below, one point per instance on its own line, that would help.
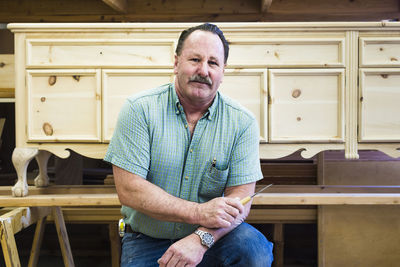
(296, 93)
(52, 80)
(47, 129)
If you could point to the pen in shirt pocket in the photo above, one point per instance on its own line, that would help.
(213, 164)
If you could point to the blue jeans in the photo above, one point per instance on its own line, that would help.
(244, 246)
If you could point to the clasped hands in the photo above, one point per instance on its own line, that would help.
(222, 212)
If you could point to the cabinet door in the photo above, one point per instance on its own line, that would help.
(249, 88)
(63, 105)
(379, 52)
(118, 85)
(306, 105)
(63, 53)
(293, 51)
(379, 105)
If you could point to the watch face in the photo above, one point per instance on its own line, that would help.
(208, 239)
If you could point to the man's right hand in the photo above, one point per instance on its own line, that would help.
(218, 212)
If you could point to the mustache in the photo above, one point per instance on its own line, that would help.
(200, 79)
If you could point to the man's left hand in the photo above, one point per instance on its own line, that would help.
(186, 252)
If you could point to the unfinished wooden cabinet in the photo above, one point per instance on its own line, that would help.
(301, 81)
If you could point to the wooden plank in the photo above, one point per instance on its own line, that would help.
(7, 84)
(64, 189)
(260, 199)
(115, 244)
(37, 242)
(63, 237)
(278, 244)
(110, 189)
(282, 216)
(61, 200)
(195, 11)
(10, 251)
(118, 5)
(23, 217)
(326, 199)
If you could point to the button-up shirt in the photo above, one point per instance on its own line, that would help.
(152, 140)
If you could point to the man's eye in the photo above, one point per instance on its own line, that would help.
(213, 63)
(195, 59)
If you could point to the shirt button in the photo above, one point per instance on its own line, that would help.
(187, 177)
(186, 125)
(191, 150)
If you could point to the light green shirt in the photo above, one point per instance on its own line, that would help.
(152, 139)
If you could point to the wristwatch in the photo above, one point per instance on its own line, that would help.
(206, 238)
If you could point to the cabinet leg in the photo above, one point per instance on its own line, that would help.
(42, 158)
(21, 158)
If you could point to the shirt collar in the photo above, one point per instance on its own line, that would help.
(179, 109)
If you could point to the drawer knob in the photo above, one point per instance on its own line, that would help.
(47, 129)
(298, 118)
(52, 80)
(296, 93)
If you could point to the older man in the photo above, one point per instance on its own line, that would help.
(183, 156)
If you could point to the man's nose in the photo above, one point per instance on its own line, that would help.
(203, 69)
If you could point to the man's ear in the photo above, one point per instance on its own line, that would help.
(176, 65)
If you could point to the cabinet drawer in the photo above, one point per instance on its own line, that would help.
(64, 105)
(316, 52)
(118, 85)
(249, 88)
(306, 105)
(379, 105)
(379, 52)
(83, 53)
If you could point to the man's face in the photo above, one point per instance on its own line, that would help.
(199, 68)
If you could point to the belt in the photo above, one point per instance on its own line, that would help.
(128, 229)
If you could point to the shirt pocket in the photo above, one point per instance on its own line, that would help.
(213, 183)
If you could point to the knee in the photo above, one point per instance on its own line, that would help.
(254, 247)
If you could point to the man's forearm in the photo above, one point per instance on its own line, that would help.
(143, 196)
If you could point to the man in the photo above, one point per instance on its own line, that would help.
(183, 156)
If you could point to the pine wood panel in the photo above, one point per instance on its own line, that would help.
(118, 85)
(379, 52)
(7, 83)
(306, 105)
(316, 52)
(76, 53)
(64, 105)
(249, 88)
(379, 105)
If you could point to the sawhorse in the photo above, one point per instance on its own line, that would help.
(15, 220)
